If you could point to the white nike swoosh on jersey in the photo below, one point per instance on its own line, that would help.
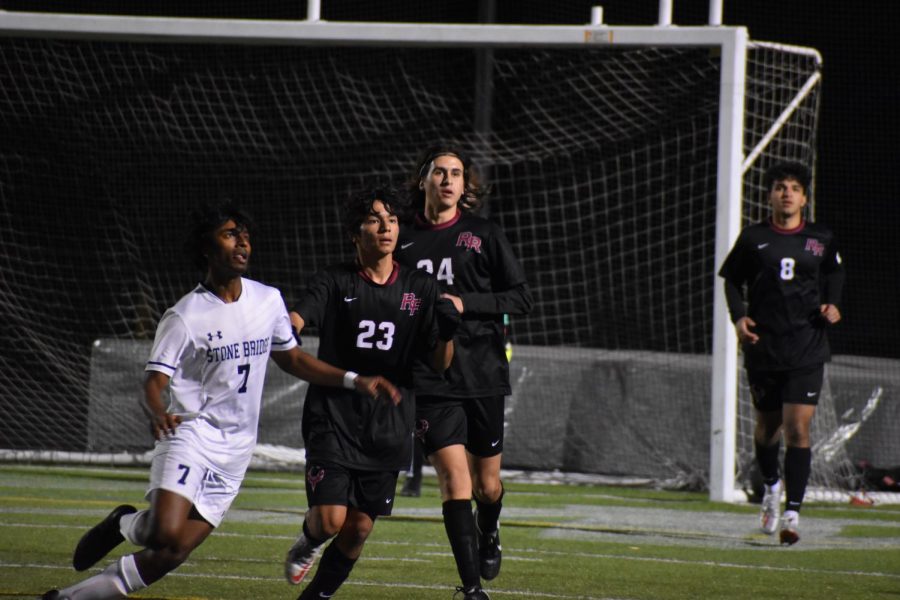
(348, 299)
(761, 246)
(810, 394)
(406, 245)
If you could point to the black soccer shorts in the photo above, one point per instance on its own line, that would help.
(770, 390)
(477, 423)
(371, 492)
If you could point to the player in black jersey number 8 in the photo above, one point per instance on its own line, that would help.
(794, 278)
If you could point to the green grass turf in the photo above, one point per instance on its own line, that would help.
(560, 542)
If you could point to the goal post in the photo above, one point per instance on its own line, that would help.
(729, 46)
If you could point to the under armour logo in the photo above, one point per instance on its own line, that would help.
(210, 335)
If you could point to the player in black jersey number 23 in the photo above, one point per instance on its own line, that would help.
(794, 278)
(459, 418)
(373, 316)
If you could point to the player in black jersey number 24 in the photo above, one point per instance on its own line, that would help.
(373, 316)
(794, 279)
(459, 417)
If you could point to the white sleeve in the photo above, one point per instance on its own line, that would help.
(171, 341)
(283, 334)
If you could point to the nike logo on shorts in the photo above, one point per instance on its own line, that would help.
(348, 299)
(811, 394)
(494, 444)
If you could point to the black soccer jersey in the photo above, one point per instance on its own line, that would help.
(789, 274)
(471, 258)
(373, 329)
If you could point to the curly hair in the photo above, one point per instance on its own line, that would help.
(474, 193)
(204, 220)
(788, 170)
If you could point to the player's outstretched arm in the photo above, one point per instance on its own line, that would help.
(161, 422)
(309, 368)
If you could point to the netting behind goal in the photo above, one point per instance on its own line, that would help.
(603, 163)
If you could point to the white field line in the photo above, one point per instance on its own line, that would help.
(526, 551)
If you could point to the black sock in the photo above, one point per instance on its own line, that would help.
(767, 459)
(460, 526)
(489, 514)
(797, 463)
(334, 568)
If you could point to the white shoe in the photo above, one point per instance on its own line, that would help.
(300, 559)
(790, 525)
(771, 505)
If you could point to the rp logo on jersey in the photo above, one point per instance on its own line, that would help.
(815, 246)
(471, 242)
(410, 302)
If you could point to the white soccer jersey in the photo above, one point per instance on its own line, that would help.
(216, 354)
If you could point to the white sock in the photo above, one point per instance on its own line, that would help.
(132, 527)
(115, 581)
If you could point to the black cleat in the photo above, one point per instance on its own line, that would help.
(51, 595)
(100, 540)
(490, 552)
(475, 593)
(412, 487)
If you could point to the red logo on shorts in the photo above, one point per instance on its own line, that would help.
(421, 429)
(314, 475)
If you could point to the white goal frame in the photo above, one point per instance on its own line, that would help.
(730, 42)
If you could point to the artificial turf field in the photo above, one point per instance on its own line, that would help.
(560, 542)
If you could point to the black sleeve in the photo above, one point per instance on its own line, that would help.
(734, 297)
(734, 273)
(313, 302)
(833, 276)
(509, 291)
(428, 334)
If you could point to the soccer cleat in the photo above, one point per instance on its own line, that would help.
(412, 487)
(300, 559)
(489, 551)
(99, 541)
(475, 593)
(790, 524)
(771, 504)
(51, 595)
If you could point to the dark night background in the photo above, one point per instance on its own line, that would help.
(856, 174)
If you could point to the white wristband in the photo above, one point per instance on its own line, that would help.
(349, 378)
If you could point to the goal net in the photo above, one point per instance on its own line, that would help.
(603, 162)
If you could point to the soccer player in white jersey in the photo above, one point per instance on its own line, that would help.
(211, 350)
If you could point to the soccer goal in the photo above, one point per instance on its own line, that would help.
(623, 161)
